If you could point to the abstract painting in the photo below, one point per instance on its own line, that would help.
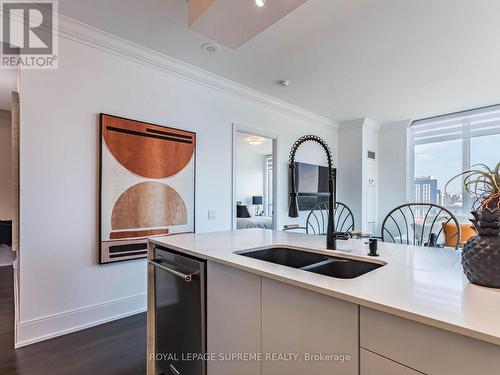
(147, 185)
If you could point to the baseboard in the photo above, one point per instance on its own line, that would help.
(47, 327)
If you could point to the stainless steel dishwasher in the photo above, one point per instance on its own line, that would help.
(180, 297)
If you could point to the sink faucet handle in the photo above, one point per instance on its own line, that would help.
(341, 235)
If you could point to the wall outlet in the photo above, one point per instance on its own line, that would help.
(211, 215)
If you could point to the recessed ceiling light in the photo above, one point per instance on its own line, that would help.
(255, 140)
(284, 83)
(210, 48)
(260, 3)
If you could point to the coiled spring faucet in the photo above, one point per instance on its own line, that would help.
(293, 211)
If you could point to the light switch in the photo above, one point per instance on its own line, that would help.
(211, 215)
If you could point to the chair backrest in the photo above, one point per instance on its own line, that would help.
(317, 220)
(419, 224)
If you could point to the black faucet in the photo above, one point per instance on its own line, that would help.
(293, 211)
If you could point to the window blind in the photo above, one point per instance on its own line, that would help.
(467, 124)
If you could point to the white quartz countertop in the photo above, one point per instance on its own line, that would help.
(422, 284)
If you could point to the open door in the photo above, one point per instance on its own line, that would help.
(254, 178)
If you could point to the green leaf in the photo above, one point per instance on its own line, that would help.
(480, 183)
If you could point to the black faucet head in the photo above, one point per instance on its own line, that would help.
(293, 209)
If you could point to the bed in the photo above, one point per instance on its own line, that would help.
(264, 222)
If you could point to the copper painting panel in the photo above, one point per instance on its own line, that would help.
(147, 185)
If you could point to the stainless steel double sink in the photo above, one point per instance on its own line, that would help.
(341, 268)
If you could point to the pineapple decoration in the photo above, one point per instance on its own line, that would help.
(481, 253)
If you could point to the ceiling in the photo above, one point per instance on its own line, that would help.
(387, 59)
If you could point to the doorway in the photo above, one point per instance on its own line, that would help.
(8, 84)
(254, 179)
(6, 207)
(9, 203)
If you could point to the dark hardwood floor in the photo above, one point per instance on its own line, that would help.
(118, 347)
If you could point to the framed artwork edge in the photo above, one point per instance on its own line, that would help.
(101, 116)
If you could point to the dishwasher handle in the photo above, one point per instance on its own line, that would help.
(187, 278)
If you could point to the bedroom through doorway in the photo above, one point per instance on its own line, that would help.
(253, 197)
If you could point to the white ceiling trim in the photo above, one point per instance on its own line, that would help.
(82, 33)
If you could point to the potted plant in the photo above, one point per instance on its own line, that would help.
(481, 253)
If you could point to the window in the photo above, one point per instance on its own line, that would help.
(427, 193)
(444, 146)
(417, 193)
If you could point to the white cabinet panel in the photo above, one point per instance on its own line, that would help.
(298, 321)
(424, 348)
(233, 318)
(373, 364)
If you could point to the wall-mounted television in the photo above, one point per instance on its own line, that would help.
(311, 183)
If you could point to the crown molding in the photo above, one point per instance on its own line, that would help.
(391, 126)
(83, 33)
(360, 123)
(352, 124)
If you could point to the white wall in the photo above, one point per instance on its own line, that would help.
(394, 167)
(5, 166)
(356, 138)
(370, 177)
(350, 172)
(62, 288)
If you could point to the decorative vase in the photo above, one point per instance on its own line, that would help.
(481, 253)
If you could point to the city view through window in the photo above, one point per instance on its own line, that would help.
(436, 163)
(445, 146)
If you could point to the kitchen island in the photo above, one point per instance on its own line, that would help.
(415, 313)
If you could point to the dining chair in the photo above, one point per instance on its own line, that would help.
(421, 224)
(317, 219)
